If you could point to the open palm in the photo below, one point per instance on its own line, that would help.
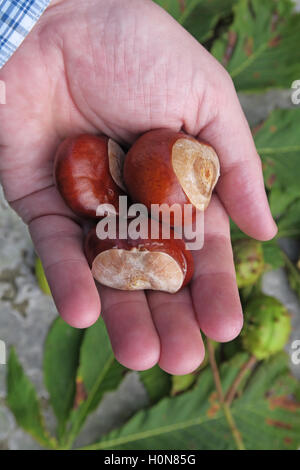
(122, 67)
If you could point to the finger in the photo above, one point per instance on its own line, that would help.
(129, 324)
(182, 349)
(214, 290)
(241, 186)
(58, 242)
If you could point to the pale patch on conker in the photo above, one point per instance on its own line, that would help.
(87, 197)
(116, 157)
(197, 168)
(137, 270)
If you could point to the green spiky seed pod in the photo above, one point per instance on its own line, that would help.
(267, 327)
(249, 261)
(41, 278)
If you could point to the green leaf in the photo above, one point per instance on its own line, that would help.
(269, 400)
(199, 17)
(261, 48)
(201, 20)
(24, 404)
(278, 144)
(266, 415)
(174, 7)
(280, 198)
(273, 255)
(98, 370)
(61, 357)
(98, 373)
(157, 383)
(289, 223)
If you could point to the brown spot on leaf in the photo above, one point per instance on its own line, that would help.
(278, 424)
(182, 5)
(80, 394)
(232, 38)
(256, 75)
(273, 129)
(274, 22)
(248, 46)
(215, 405)
(271, 180)
(274, 42)
(285, 402)
(270, 162)
(213, 410)
(287, 440)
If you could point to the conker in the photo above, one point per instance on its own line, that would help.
(88, 172)
(167, 167)
(159, 264)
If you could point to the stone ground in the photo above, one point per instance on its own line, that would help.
(26, 314)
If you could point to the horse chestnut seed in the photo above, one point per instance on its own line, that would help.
(88, 172)
(160, 264)
(167, 167)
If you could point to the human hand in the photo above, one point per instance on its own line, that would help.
(121, 68)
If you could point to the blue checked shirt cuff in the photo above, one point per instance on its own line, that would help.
(17, 18)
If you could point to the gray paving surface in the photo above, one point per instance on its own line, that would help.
(25, 313)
